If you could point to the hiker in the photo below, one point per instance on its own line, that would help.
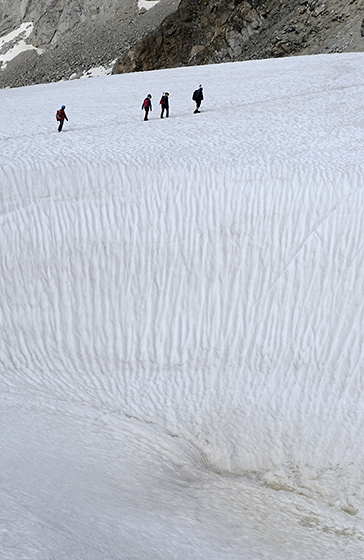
(147, 105)
(60, 116)
(164, 103)
(198, 98)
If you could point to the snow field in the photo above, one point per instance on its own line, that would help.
(194, 286)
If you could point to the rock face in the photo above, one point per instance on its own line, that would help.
(75, 35)
(212, 31)
(56, 20)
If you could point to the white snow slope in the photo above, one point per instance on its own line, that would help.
(182, 316)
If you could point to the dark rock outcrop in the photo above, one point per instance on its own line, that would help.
(212, 31)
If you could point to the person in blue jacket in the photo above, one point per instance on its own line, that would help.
(198, 98)
(164, 103)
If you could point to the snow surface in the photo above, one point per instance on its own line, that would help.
(147, 4)
(97, 71)
(181, 363)
(15, 43)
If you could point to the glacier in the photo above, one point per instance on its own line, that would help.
(182, 315)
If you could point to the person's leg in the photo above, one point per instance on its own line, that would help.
(60, 125)
(146, 114)
(167, 112)
(162, 112)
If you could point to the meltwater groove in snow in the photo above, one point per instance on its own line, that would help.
(181, 308)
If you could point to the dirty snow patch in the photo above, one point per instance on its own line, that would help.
(98, 71)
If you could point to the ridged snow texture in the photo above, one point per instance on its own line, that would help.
(243, 294)
(205, 276)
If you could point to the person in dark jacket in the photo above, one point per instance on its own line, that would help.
(147, 106)
(164, 103)
(198, 98)
(61, 116)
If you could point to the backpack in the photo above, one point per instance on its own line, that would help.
(195, 95)
(146, 103)
(59, 115)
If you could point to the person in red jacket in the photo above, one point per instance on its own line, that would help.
(147, 106)
(61, 116)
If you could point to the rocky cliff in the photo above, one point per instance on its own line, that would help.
(68, 37)
(212, 31)
(73, 35)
